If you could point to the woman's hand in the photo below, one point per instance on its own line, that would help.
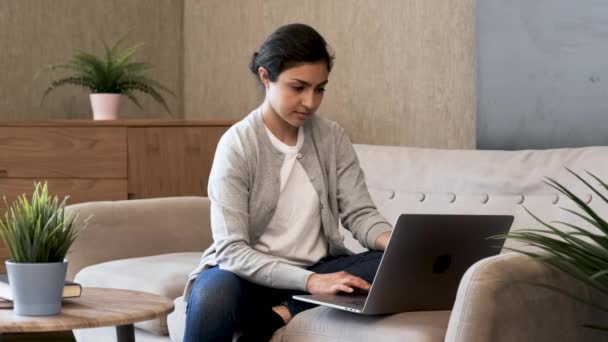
(332, 283)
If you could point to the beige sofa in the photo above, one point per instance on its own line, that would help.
(152, 245)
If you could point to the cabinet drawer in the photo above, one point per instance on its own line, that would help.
(171, 161)
(79, 190)
(63, 152)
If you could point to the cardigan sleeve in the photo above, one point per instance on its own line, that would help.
(228, 191)
(358, 213)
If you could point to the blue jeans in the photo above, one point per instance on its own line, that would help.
(221, 301)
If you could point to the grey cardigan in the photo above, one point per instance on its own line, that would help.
(244, 189)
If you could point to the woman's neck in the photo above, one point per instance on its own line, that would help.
(280, 128)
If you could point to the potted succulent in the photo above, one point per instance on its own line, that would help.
(38, 237)
(108, 78)
(581, 252)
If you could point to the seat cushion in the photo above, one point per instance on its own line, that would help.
(105, 334)
(324, 324)
(177, 320)
(165, 275)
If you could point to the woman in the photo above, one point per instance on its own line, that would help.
(281, 179)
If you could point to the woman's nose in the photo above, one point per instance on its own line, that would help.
(310, 100)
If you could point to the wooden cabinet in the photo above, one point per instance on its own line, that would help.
(170, 161)
(107, 160)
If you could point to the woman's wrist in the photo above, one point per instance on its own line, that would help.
(310, 282)
(382, 241)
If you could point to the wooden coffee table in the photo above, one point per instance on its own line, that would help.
(96, 307)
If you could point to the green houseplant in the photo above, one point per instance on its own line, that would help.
(109, 77)
(38, 237)
(578, 251)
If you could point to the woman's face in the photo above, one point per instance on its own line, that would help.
(297, 92)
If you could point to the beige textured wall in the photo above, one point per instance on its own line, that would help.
(36, 33)
(404, 71)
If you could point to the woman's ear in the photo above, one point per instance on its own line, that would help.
(263, 74)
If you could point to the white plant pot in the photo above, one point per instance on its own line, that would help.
(37, 288)
(105, 106)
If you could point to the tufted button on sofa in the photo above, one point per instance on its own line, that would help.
(152, 245)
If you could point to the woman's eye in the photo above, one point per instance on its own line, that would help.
(321, 90)
(297, 88)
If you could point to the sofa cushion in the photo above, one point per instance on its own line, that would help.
(105, 334)
(165, 275)
(176, 320)
(324, 324)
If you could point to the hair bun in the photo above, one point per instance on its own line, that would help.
(253, 64)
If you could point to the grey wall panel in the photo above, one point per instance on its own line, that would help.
(37, 33)
(542, 73)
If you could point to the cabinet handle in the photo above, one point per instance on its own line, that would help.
(3, 173)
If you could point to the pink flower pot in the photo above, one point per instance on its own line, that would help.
(105, 106)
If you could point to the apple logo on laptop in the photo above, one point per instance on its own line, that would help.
(442, 263)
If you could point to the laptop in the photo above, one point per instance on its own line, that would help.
(423, 264)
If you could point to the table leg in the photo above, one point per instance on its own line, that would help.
(125, 333)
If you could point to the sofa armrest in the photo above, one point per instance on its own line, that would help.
(496, 302)
(138, 228)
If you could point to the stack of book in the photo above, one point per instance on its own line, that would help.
(70, 290)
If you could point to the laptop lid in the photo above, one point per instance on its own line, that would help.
(426, 258)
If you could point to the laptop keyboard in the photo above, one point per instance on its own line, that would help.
(351, 301)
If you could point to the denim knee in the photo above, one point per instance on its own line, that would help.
(213, 306)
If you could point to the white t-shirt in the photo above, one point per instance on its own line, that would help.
(294, 232)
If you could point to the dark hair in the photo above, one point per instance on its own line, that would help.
(289, 46)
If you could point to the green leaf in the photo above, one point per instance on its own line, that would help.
(582, 253)
(69, 80)
(580, 203)
(605, 185)
(111, 72)
(599, 274)
(130, 96)
(147, 89)
(37, 230)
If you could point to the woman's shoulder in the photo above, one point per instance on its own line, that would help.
(325, 125)
(241, 138)
(326, 131)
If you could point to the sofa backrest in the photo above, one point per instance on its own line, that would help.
(136, 228)
(421, 180)
(400, 180)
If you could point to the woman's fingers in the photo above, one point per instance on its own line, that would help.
(343, 288)
(357, 282)
(336, 282)
(349, 284)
